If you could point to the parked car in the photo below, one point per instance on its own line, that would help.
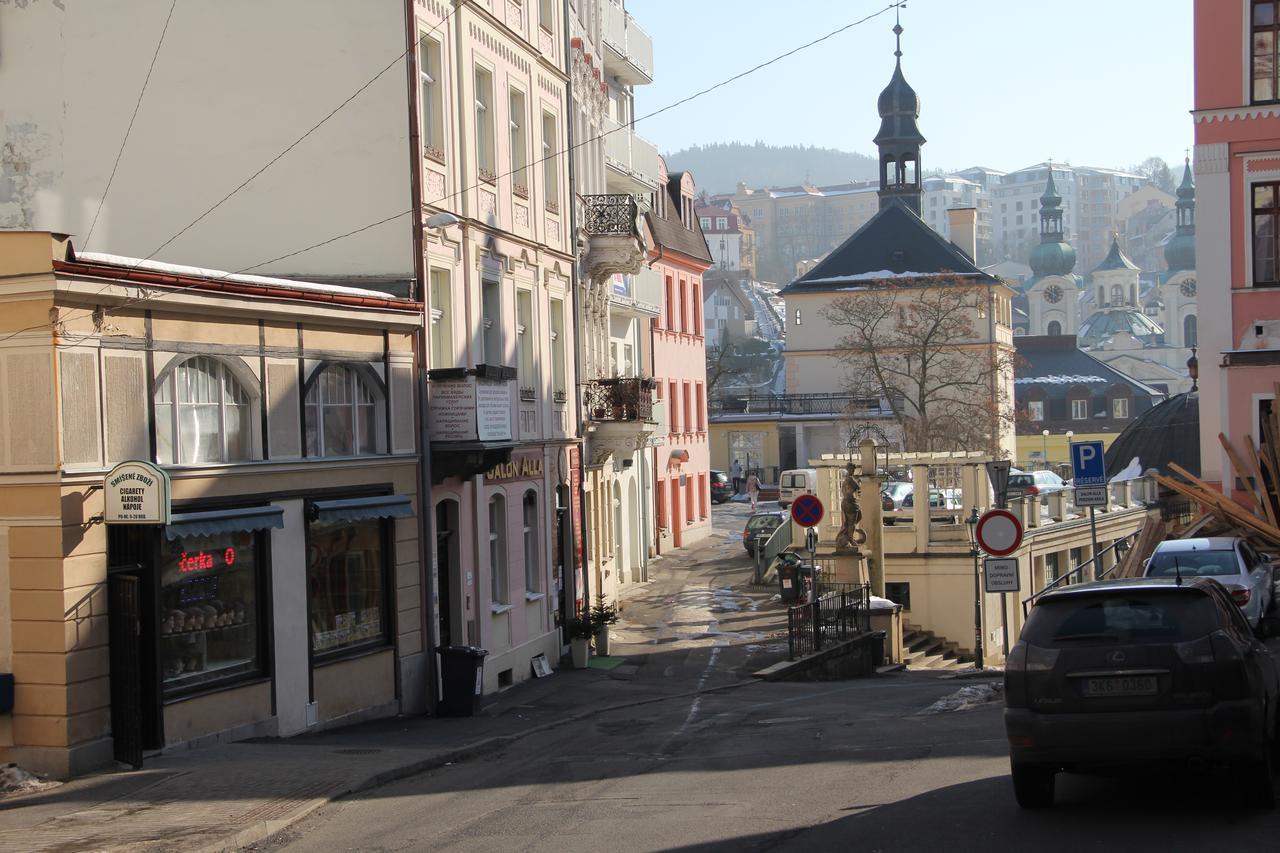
(796, 482)
(721, 487)
(938, 499)
(760, 527)
(1139, 671)
(1230, 560)
(1025, 483)
(892, 494)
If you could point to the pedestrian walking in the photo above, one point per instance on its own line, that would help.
(753, 489)
(735, 472)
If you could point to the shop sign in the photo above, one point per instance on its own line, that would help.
(470, 409)
(136, 493)
(519, 468)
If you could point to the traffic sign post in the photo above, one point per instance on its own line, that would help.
(1089, 478)
(807, 511)
(999, 533)
(1001, 575)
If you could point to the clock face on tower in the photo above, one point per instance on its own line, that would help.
(1189, 287)
(1053, 293)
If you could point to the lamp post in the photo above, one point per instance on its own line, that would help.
(1044, 446)
(972, 522)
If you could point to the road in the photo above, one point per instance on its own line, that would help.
(854, 765)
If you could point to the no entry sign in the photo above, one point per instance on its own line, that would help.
(806, 511)
(999, 532)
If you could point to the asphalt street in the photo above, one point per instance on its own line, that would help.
(849, 766)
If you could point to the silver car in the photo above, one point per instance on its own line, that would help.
(1230, 560)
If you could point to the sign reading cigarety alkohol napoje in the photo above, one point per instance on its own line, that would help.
(136, 492)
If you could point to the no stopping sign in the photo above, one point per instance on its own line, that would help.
(999, 532)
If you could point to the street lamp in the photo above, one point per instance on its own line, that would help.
(1044, 446)
(972, 523)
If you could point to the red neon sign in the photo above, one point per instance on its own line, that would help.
(200, 561)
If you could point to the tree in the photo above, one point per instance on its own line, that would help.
(1157, 171)
(916, 344)
(739, 361)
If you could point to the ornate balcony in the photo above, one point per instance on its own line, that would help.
(620, 416)
(610, 215)
(611, 223)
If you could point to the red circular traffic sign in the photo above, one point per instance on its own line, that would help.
(999, 532)
(806, 511)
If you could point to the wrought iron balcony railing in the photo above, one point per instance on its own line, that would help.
(613, 214)
(729, 403)
(619, 399)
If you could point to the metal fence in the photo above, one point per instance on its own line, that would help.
(838, 612)
(778, 541)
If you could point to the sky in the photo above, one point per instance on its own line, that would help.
(1002, 83)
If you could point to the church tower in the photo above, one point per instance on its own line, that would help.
(1178, 285)
(1053, 292)
(899, 139)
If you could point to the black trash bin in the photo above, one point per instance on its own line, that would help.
(461, 677)
(877, 647)
(789, 582)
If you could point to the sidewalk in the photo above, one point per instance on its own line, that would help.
(236, 794)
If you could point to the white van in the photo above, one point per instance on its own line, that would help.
(796, 482)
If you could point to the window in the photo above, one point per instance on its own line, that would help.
(1079, 410)
(684, 306)
(671, 305)
(898, 593)
(550, 169)
(688, 409)
(1055, 328)
(702, 496)
(696, 305)
(441, 317)
(1035, 410)
(343, 414)
(1189, 338)
(485, 157)
(1117, 294)
(557, 351)
(532, 563)
(706, 222)
(347, 585)
(1266, 225)
(491, 322)
(547, 15)
(722, 223)
(519, 154)
(1266, 27)
(674, 423)
(499, 586)
(797, 316)
(524, 348)
(1120, 408)
(202, 415)
(211, 625)
(701, 411)
(432, 106)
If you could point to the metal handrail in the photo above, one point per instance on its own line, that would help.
(1027, 602)
(773, 546)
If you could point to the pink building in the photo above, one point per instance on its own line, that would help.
(1237, 164)
(682, 463)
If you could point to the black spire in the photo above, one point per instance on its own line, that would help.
(899, 139)
(1180, 251)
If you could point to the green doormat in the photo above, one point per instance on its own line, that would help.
(605, 662)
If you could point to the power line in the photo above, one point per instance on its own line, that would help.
(102, 201)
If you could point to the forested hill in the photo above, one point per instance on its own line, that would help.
(718, 167)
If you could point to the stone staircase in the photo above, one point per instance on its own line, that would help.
(924, 650)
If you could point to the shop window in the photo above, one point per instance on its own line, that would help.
(347, 585)
(211, 626)
(499, 585)
(532, 563)
(202, 414)
(345, 414)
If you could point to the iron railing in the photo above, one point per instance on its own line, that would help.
(1120, 546)
(619, 399)
(779, 540)
(835, 615)
(610, 215)
(791, 404)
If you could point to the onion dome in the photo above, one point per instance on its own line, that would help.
(1180, 251)
(899, 105)
(1054, 256)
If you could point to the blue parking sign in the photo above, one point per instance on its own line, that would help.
(1088, 464)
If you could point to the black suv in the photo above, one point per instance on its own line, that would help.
(721, 487)
(1138, 671)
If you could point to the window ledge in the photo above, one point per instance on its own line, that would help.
(529, 595)
(496, 609)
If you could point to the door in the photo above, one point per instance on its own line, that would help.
(446, 568)
(677, 519)
(124, 632)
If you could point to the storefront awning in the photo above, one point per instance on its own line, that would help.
(223, 521)
(356, 509)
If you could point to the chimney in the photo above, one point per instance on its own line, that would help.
(964, 229)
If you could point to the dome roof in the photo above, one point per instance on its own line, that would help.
(1103, 324)
(1180, 252)
(1115, 259)
(1052, 259)
(899, 106)
(1168, 432)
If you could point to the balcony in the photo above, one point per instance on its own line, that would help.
(632, 159)
(639, 294)
(628, 51)
(615, 244)
(620, 417)
(729, 403)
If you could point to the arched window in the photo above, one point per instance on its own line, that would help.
(1189, 338)
(202, 414)
(1117, 294)
(532, 563)
(344, 414)
(1055, 328)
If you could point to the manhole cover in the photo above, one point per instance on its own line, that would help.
(355, 751)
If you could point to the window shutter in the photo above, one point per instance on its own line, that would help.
(80, 426)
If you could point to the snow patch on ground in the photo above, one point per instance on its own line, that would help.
(15, 780)
(966, 698)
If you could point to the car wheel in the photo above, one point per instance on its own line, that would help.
(1033, 785)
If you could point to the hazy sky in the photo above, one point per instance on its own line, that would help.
(1002, 83)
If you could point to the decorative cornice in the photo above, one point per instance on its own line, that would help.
(1236, 113)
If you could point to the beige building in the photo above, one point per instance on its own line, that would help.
(284, 591)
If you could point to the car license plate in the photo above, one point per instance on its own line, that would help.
(1132, 685)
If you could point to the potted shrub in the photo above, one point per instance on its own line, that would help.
(602, 616)
(580, 633)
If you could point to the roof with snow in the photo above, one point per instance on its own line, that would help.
(1054, 363)
(893, 244)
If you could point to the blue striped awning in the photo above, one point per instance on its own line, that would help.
(358, 509)
(183, 524)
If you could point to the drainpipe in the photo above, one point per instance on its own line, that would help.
(570, 144)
